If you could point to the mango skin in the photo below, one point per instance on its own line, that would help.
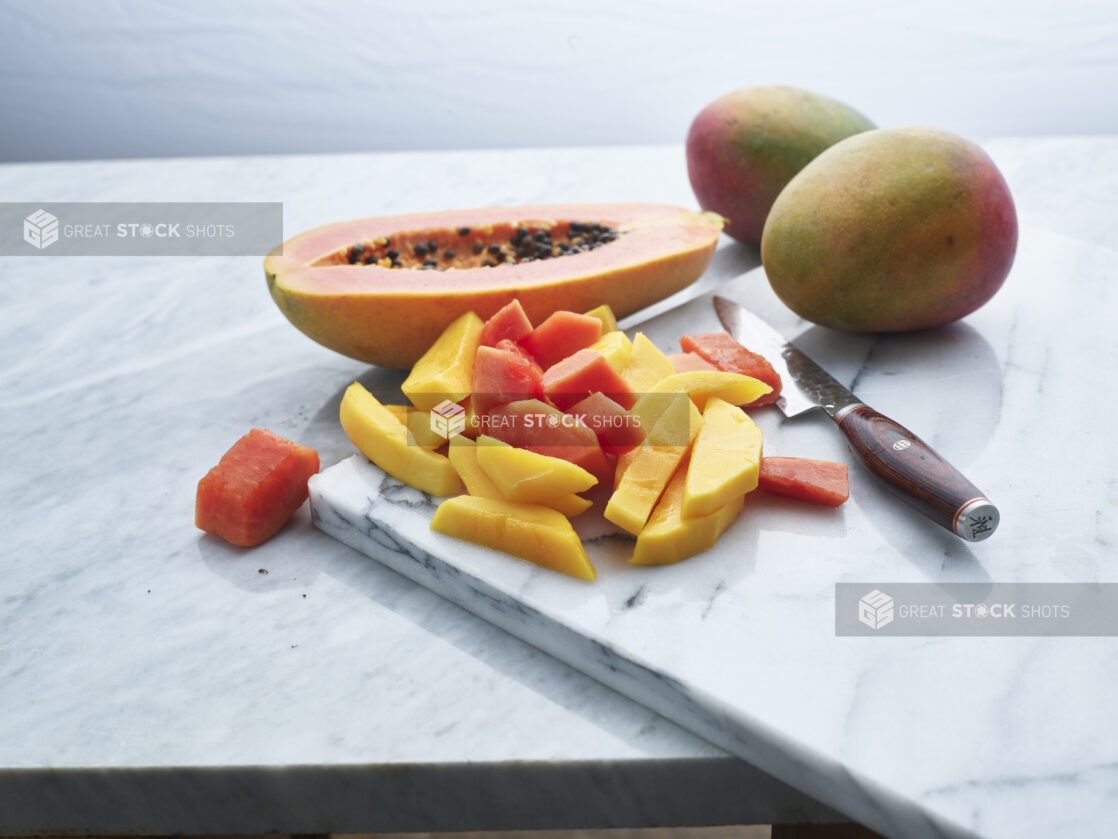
(744, 148)
(891, 230)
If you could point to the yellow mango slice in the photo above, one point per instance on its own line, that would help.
(647, 365)
(640, 487)
(725, 459)
(701, 385)
(463, 454)
(605, 314)
(669, 537)
(528, 531)
(616, 348)
(382, 438)
(651, 466)
(446, 370)
(418, 424)
(529, 477)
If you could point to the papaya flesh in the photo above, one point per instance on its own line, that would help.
(572, 257)
(891, 230)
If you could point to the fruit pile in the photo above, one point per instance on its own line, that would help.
(514, 423)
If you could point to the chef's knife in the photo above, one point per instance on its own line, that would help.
(892, 452)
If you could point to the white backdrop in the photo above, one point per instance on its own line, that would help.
(128, 78)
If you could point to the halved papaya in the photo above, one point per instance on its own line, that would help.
(382, 290)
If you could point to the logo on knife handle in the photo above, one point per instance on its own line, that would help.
(901, 445)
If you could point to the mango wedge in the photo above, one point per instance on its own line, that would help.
(669, 537)
(650, 469)
(382, 438)
(528, 531)
(605, 314)
(616, 348)
(446, 370)
(529, 477)
(701, 385)
(463, 454)
(418, 424)
(647, 365)
(725, 459)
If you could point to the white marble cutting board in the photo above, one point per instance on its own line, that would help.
(915, 737)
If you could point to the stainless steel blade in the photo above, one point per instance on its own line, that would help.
(806, 385)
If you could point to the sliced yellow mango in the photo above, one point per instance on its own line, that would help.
(528, 531)
(616, 348)
(640, 487)
(725, 459)
(529, 477)
(463, 454)
(605, 314)
(647, 365)
(382, 438)
(668, 419)
(446, 370)
(669, 537)
(650, 466)
(701, 385)
(418, 424)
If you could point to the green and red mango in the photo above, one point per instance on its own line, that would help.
(744, 148)
(893, 229)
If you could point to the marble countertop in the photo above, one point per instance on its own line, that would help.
(146, 670)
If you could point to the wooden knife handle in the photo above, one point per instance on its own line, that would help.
(923, 478)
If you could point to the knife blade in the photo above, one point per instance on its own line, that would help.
(902, 460)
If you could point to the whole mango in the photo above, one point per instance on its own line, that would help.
(744, 147)
(894, 229)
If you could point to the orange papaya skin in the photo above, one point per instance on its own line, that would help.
(389, 316)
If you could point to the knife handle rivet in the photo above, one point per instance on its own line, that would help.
(901, 445)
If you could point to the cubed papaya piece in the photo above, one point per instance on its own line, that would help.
(446, 371)
(502, 374)
(509, 323)
(382, 438)
(815, 481)
(687, 362)
(618, 431)
(578, 375)
(254, 489)
(531, 532)
(562, 334)
(725, 353)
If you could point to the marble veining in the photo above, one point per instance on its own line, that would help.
(146, 670)
(916, 737)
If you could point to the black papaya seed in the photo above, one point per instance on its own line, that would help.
(432, 245)
(448, 255)
(420, 250)
(392, 254)
(478, 248)
(463, 231)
